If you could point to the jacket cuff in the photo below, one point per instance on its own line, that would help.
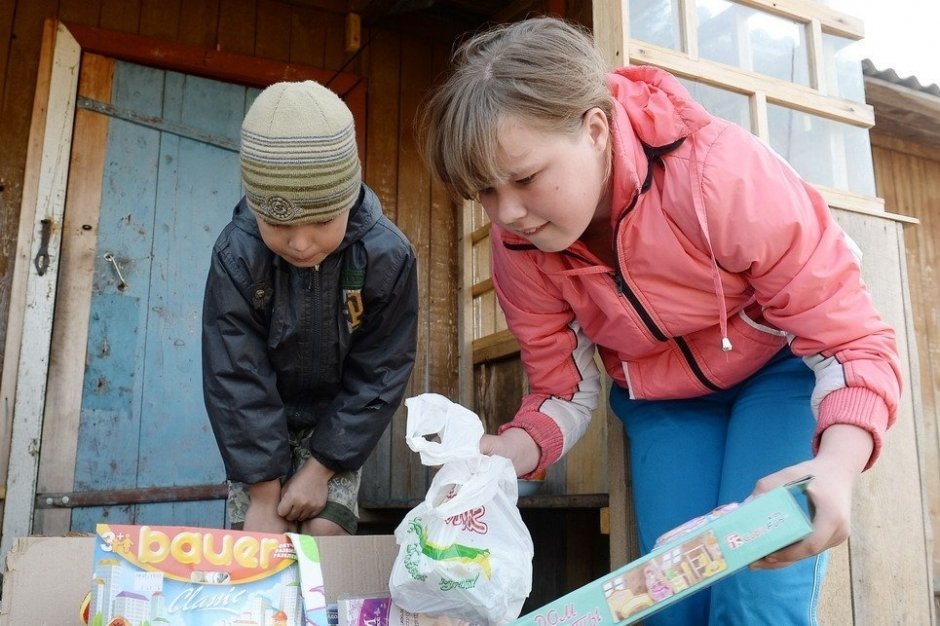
(548, 437)
(326, 461)
(856, 406)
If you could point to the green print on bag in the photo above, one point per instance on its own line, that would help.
(412, 556)
(455, 552)
(468, 583)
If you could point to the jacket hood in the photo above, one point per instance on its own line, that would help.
(659, 109)
(362, 216)
(651, 110)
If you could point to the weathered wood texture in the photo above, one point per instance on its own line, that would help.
(403, 69)
(904, 114)
(52, 126)
(74, 296)
(396, 66)
(889, 498)
(908, 177)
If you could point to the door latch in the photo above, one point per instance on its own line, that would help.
(122, 284)
(42, 257)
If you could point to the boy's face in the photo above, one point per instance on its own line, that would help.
(305, 245)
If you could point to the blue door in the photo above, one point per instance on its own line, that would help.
(170, 183)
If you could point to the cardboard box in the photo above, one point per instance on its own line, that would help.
(46, 578)
(705, 550)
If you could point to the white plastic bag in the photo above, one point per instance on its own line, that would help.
(463, 552)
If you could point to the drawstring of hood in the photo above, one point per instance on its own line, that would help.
(695, 173)
(661, 114)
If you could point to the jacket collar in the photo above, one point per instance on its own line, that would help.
(651, 110)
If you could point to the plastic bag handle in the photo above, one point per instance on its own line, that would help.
(458, 429)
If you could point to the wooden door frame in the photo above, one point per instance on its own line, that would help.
(39, 241)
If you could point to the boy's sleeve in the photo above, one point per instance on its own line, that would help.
(239, 384)
(376, 370)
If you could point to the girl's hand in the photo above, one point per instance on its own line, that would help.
(843, 453)
(303, 496)
(516, 445)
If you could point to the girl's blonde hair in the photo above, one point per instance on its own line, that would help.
(545, 71)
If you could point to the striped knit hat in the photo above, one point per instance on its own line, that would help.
(298, 154)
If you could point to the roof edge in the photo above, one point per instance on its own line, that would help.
(891, 76)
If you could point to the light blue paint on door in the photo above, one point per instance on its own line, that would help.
(170, 183)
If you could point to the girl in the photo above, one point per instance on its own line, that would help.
(725, 302)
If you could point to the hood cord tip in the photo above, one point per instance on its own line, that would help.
(726, 344)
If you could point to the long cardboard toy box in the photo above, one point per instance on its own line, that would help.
(692, 557)
(48, 578)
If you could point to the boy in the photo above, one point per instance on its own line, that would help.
(309, 319)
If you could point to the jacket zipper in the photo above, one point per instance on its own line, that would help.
(634, 301)
(643, 314)
(696, 369)
(638, 307)
(659, 334)
(317, 321)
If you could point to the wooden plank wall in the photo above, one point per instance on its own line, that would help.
(907, 175)
(398, 65)
(889, 499)
(73, 301)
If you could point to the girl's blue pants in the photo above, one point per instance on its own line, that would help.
(689, 456)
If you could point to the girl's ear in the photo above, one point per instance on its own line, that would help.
(597, 127)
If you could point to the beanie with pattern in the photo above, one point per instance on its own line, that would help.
(299, 160)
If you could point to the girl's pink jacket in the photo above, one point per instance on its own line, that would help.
(719, 243)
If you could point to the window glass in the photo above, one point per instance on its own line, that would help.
(720, 102)
(753, 40)
(823, 151)
(655, 22)
(842, 65)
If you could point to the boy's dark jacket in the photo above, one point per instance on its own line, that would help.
(286, 348)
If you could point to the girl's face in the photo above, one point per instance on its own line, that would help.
(304, 245)
(557, 181)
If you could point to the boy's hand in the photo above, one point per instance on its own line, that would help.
(843, 453)
(262, 515)
(303, 496)
(516, 445)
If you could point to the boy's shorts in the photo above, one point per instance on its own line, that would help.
(342, 499)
